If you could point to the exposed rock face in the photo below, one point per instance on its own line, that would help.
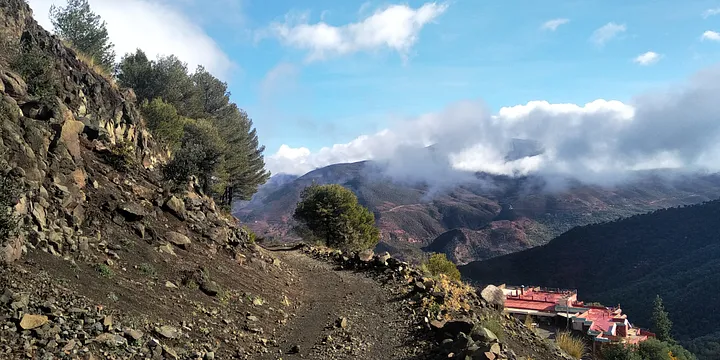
(64, 149)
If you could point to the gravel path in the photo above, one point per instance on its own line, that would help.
(376, 324)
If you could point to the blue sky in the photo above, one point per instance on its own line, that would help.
(395, 67)
(493, 50)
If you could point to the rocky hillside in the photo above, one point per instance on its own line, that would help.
(476, 220)
(110, 262)
(673, 253)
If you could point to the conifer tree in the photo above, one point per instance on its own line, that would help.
(662, 325)
(85, 30)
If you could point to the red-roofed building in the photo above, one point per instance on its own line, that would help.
(561, 308)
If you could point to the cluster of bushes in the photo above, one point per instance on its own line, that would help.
(191, 113)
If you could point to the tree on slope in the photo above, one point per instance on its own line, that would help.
(85, 30)
(332, 213)
(662, 325)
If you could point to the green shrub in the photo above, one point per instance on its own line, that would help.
(439, 264)
(104, 270)
(164, 121)
(494, 323)
(122, 155)
(37, 69)
(332, 213)
(147, 269)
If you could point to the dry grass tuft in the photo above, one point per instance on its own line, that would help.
(90, 62)
(571, 345)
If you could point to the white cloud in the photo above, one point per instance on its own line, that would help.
(710, 12)
(597, 142)
(607, 32)
(552, 25)
(711, 35)
(395, 27)
(154, 27)
(647, 58)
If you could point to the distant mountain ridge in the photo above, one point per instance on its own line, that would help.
(489, 216)
(672, 252)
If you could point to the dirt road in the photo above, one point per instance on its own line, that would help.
(344, 314)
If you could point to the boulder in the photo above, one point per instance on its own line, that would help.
(484, 335)
(11, 251)
(111, 340)
(494, 296)
(210, 288)
(29, 321)
(178, 239)
(366, 255)
(168, 331)
(176, 207)
(13, 84)
(132, 211)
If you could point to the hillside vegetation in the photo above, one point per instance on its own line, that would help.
(475, 220)
(674, 253)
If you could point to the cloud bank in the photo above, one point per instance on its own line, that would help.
(600, 141)
(154, 27)
(394, 27)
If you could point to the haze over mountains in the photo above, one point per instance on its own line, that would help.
(479, 216)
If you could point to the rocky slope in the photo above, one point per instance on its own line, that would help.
(476, 220)
(110, 262)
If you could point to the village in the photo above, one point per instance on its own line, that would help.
(551, 310)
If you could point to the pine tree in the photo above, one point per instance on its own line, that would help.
(332, 213)
(662, 325)
(85, 30)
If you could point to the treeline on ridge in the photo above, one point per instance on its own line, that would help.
(189, 112)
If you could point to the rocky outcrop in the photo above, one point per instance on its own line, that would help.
(64, 152)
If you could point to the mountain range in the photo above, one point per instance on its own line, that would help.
(476, 219)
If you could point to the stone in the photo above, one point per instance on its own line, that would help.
(30, 321)
(110, 340)
(70, 132)
(168, 331)
(178, 239)
(342, 322)
(170, 285)
(295, 349)
(108, 321)
(484, 335)
(209, 355)
(133, 334)
(139, 229)
(167, 249)
(176, 207)
(132, 211)
(170, 351)
(495, 348)
(12, 250)
(366, 255)
(219, 235)
(13, 84)
(437, 324)
(494, 296)
(383, 258)
(210, 288)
